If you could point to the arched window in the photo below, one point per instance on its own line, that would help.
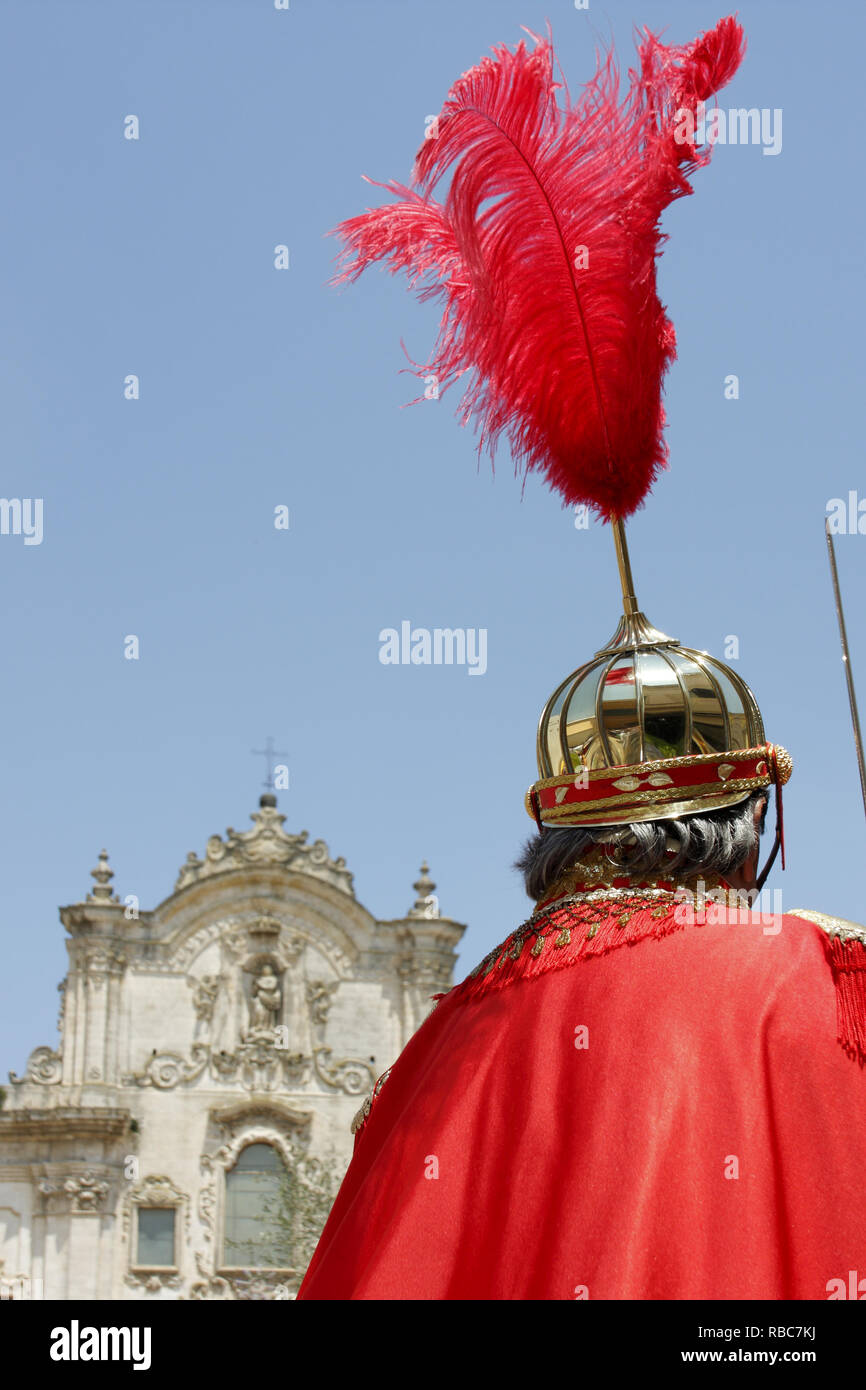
(256, 1216)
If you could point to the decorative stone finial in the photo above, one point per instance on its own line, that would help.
(102, 892)
(426, 904)
(266, 844)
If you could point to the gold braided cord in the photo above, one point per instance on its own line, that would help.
(659, 796)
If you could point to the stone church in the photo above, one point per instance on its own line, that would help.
(185, 1137)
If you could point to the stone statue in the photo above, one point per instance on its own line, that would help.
(319, 995)
(267, 1000)
(206, 991)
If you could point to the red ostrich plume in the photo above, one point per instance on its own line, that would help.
(543, 253)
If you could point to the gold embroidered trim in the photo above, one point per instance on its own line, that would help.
(593, 909)
(628, 903)
(833, 926)
(658, 796)
(360, 1119)
(662, 765)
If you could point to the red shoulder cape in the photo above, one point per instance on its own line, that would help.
(633, 1109)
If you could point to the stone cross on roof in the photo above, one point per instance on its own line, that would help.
(270, 754)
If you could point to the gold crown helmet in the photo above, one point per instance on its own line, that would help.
(648, 730)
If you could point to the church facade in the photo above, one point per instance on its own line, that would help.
(185, 1137)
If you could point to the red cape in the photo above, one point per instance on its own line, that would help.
(660, 1114)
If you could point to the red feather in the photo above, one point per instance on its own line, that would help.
(544, 254)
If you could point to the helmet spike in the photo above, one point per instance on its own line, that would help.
(629, 600)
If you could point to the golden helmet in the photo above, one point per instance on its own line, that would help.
(648, 730)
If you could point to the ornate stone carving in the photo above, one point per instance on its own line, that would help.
(215, 1288)
(204, 997)
(266, 843)
(289, 1145)
(165, 1070)
(205, 992)
(19, 1287)
(226, 1155)
(319, 996)
(426, 902)
(262, 998)
(267, 1001)
(190, 947)
(255, 984)
(98, 962)
(240, 935)
(44, 1067)
(210, 1286)
(264, 934)
(259, 1065)
(268, 1111)
(156, 1190)
(256, 1285)
(267, 931)
(88, 1191)
(82, 1192)
(152, 1283)
(63, 1123)
(347, 1074)
(103, 874)
(207, 1198)
(424, 972)
(249, 1284)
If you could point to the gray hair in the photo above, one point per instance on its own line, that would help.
(716, 843)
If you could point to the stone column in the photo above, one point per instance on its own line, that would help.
(103, 966)
(73, 1029)
(112, 1025)
(75, 1198)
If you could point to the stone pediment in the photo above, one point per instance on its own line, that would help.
(263, 1109)
(266, 845)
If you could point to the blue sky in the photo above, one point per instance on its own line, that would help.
(261, 388)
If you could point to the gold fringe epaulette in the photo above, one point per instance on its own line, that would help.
(845, 943)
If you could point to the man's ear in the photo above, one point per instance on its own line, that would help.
(759, 814)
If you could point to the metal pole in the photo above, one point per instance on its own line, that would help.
(846, 660)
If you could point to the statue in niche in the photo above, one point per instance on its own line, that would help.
(267, 1001)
